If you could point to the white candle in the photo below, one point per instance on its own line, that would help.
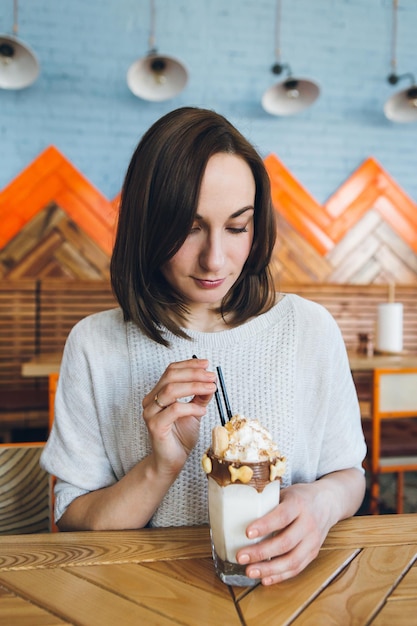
(389, 337)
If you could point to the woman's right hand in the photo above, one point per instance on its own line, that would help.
(131, 501)
(174, 426)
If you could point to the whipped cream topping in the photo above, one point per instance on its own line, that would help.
(248, 441)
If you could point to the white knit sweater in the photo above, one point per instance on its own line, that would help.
(287, 367)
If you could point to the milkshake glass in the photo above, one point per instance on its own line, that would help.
(239, 491)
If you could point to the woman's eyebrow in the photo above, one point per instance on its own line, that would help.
(233, 215)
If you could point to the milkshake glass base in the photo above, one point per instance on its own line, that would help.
(232, 573)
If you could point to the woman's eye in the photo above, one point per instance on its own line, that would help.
(236, 230)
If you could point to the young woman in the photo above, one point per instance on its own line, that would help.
(134, 410)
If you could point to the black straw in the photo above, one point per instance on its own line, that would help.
(224, 392)
(218, 401)
(219, 407)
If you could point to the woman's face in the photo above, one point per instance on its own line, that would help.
(212, 257)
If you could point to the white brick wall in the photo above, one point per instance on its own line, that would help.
(82, 105)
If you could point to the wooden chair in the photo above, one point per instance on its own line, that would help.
(26, 490)
(391, 433)
(25, 505)
(52, 385)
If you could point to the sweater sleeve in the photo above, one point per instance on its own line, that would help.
(344, 445)
(329, 430)
(75, 452)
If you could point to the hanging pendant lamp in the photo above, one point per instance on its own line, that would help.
(156, 77)
(19, 66)
(402, 106)
(293, 94)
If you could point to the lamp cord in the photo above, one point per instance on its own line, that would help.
(152, 26)
(394, 36)
(15, 27)
(278, 31)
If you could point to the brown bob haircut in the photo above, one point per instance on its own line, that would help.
(158, 204)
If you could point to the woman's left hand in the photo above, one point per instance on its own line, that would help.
(299, 525)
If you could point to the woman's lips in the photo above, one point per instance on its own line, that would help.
(209, 284)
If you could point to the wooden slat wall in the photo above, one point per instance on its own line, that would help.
(355, 307)
(17, 328)
(36, 317)
(63, 303)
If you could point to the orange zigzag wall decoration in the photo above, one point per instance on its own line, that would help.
(52, 178)
(369, 187)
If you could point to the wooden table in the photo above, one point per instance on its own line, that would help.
(42, 365)
(366, 573)
(50, 362)
(359, 362)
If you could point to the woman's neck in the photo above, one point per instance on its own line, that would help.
(204, 319)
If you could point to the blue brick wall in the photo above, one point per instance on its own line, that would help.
(82, 105)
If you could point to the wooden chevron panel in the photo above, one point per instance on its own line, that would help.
(52, 179)
(51, 245)
(54, 223)
(371, 252)
(370, 187)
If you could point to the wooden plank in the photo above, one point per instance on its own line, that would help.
(369, 272)
(352, 214)
(16, 611)
(281, 604)
(28, 237)
(199, 572)
(387, 236)
(308, 228)
(346, 248)
(362, 588)
(398, 198)
(312, 264)
(91, 548)
(90, 221)
(31, 265)
(398, 613)
(364, 176)
(283, 182)
(367, 531)
(156, 589)
(70, 257)
(298, 271)
(23, 186)
(407, 587)
(77, 600)
(393, 216)
(398, 270)
(77, 238)
(27, 208)
(94, 201)
(352, 263)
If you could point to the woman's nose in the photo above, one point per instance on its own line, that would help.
(212, 254)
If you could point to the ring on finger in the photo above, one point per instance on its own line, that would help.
(156, 400)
